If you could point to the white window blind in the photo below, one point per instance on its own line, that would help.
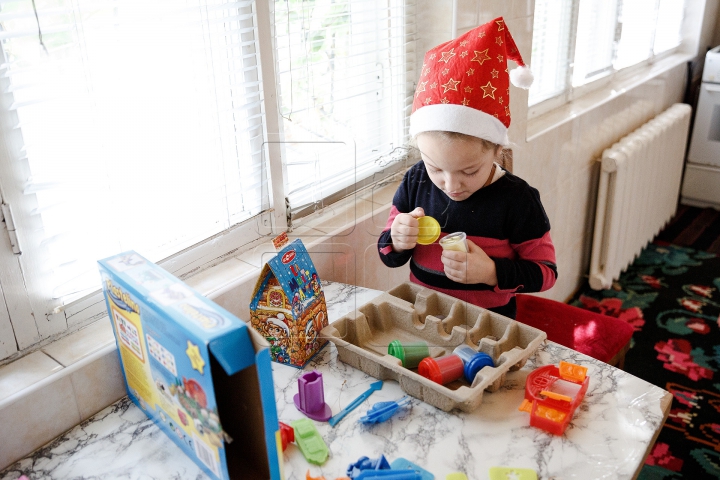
(594, 41)
(669, 24)
(345, 90)
(550, 48)
(142, 129)
(637, 23)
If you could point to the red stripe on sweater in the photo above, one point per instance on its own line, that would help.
(540, 250)
(394, 212)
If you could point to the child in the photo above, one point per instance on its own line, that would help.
(459, 121)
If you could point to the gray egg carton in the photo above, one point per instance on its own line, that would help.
(410, 313)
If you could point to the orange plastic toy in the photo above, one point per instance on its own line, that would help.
(552, 394)
(309, 477)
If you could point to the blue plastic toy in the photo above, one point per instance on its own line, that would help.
(355, 403)
(381, 411)
(365, 463)
(404, 464)
(388, 475)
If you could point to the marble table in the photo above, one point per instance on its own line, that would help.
(609, 437)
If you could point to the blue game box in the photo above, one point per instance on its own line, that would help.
(196, 370)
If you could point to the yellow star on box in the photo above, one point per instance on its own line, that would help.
(468, 89)
(451, 85)
(494, 73)
(444, 100)
(427, 101)
(470, 72)
(433, 85)
(500, 58)
(498, 40)
(464, 43)
(426, 71)
(432, 56)
(193, 353)
(481, 34)
(464, 54)
(446, 71)
(481, 59)
(500, 25)
(465, 102)
(500, 100)
(446, 56)
(488, 91)
(507, 111)
(420, 88)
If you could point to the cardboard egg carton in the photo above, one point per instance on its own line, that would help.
(411, 313)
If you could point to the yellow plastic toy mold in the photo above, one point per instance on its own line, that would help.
(429, 230)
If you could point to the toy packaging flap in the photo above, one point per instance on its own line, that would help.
(194, 368)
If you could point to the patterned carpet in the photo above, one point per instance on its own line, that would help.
(671, 296)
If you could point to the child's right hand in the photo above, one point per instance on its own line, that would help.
(404, 230)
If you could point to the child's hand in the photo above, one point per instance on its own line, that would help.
(472, 267)
(404, 230)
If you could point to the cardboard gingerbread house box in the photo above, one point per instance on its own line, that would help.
(201, 374)
(288, 306)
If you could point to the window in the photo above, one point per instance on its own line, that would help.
(343, 93)
(143, 125)
(579, 43)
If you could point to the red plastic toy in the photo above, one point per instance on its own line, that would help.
(552, 394)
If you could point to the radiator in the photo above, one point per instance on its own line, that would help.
(637, 193)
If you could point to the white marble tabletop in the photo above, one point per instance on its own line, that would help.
(608, 438)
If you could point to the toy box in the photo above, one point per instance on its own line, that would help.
(288, 306)
(197, 371)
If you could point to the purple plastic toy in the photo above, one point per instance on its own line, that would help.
(310, 398)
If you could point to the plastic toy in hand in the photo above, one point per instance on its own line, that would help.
(382, 411)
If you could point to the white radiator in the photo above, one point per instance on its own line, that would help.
(638, 192)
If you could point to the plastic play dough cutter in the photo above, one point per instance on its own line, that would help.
(429, 230)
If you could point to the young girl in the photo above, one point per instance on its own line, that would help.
(459, 121)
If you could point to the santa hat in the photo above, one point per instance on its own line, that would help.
(464, 84)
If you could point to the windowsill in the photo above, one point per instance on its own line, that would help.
(623, 84)
(72, 352)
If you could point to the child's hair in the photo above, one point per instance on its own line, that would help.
(504, 157)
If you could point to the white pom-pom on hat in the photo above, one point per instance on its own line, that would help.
(522, 77)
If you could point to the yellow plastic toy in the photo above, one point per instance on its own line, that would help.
(429, 230)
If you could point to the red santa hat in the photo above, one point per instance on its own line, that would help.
(464, 84)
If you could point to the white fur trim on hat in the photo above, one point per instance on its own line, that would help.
(458, 118)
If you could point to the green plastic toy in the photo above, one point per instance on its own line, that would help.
(502, 473)
(309, 441)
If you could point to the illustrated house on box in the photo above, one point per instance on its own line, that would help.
(288, 306)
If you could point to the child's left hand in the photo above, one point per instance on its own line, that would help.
(472, 267)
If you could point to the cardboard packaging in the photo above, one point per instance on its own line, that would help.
(288, 306)
(197, 371)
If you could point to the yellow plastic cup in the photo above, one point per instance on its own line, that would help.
(455, 241)
(429, 230)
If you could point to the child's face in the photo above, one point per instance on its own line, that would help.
(457, 166)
